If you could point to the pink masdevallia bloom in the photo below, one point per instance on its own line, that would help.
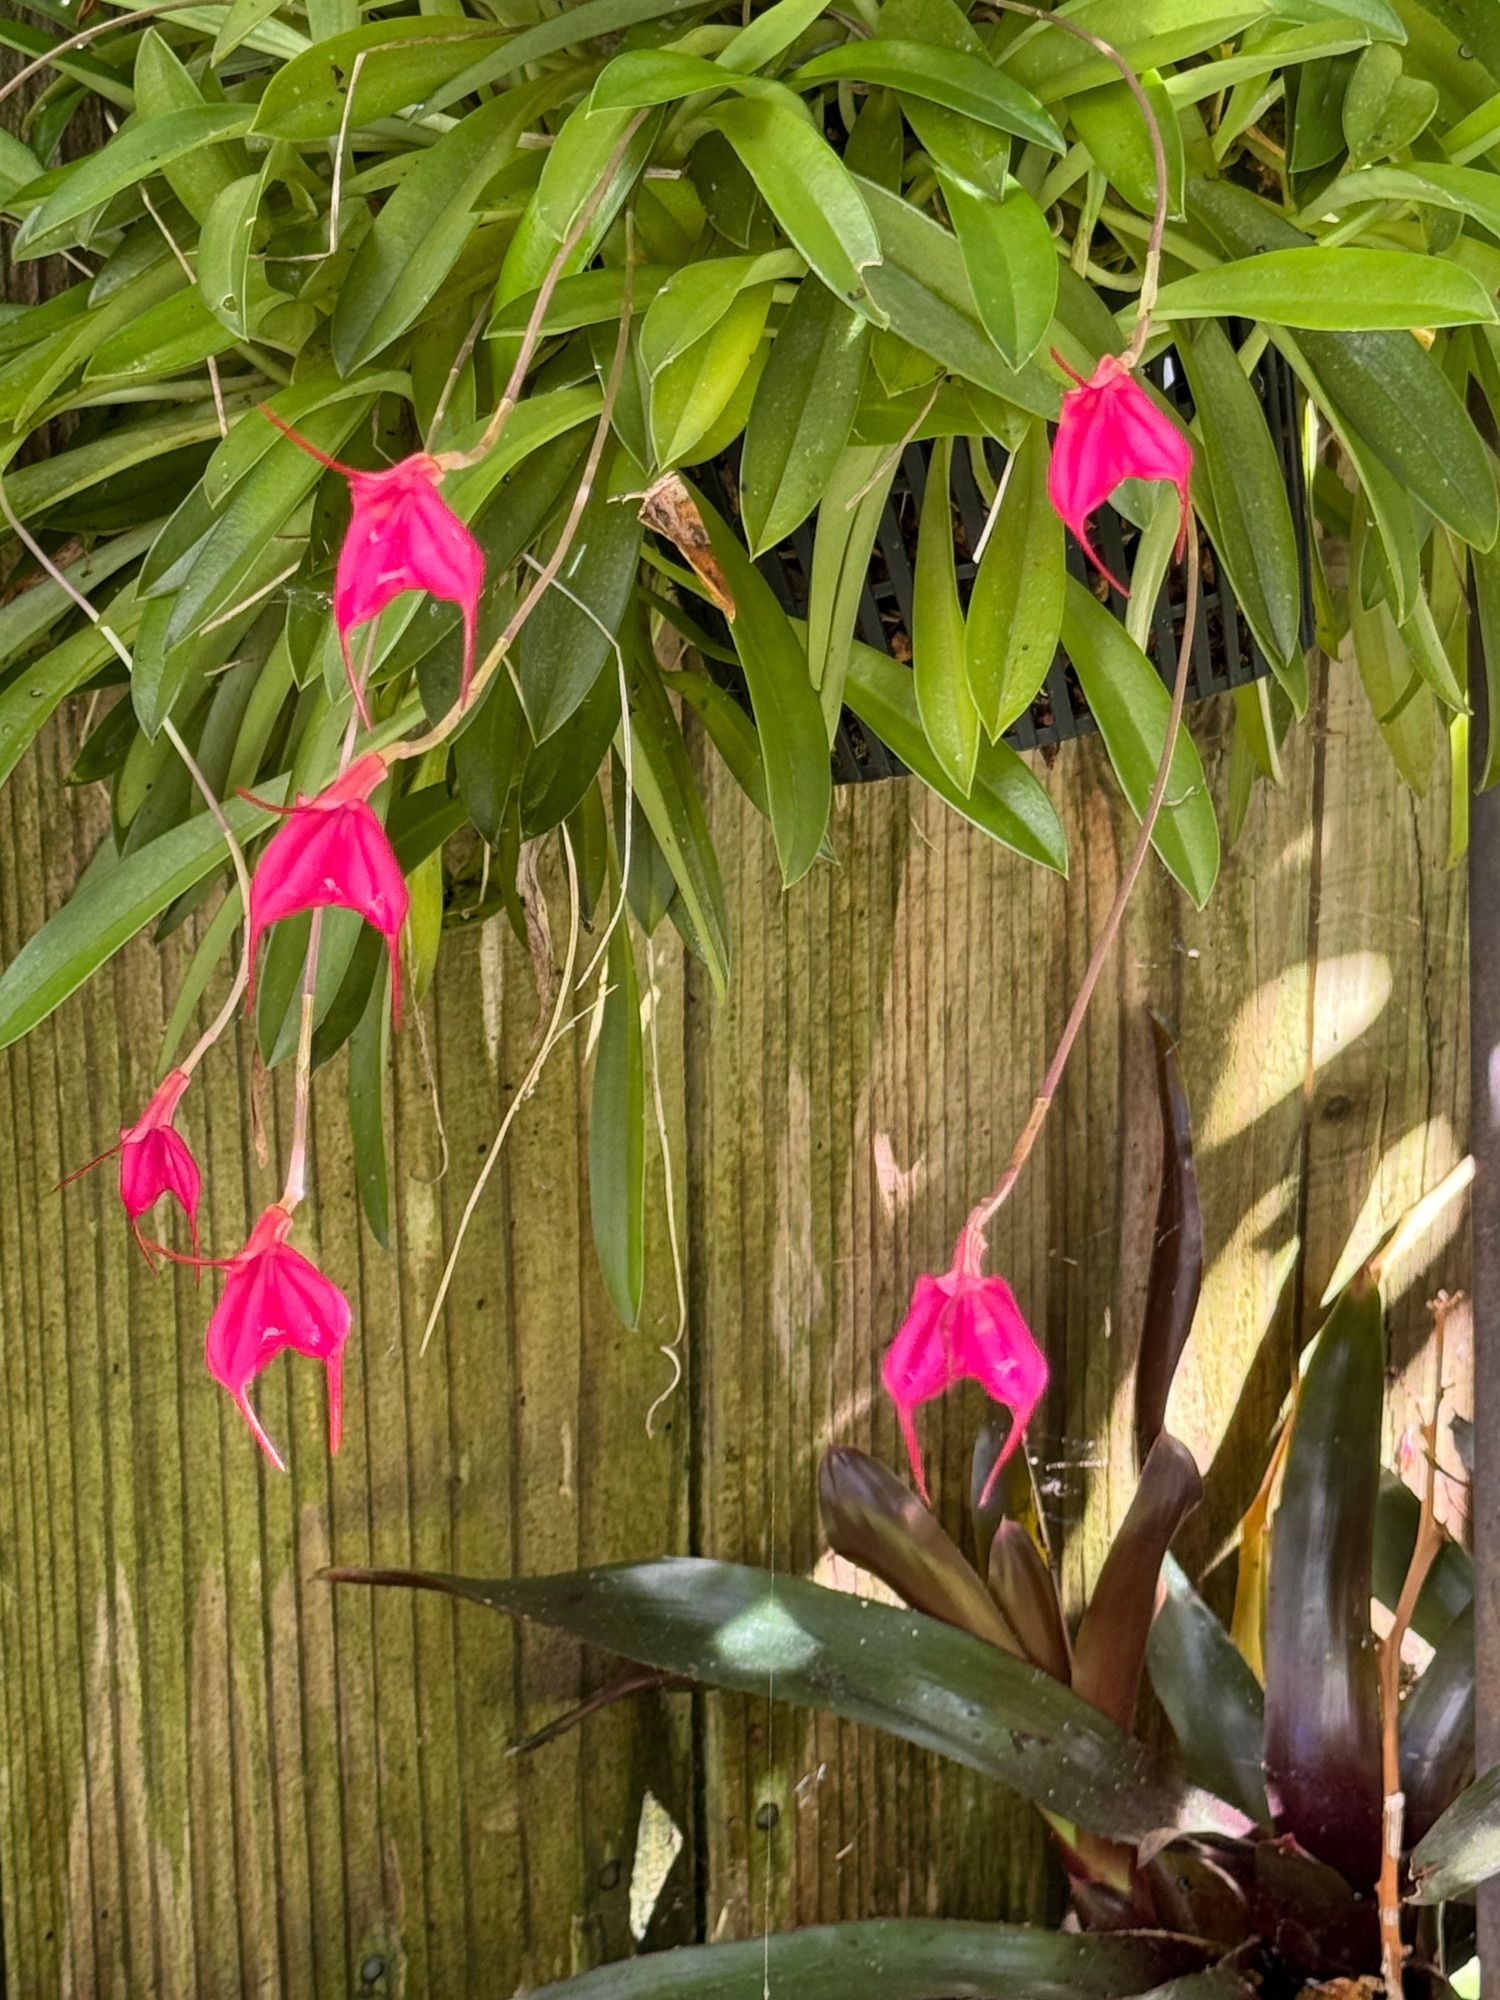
(155, 1160)
(332, 853)
(963, 1326)
(402, 535)
(1111, 430)
(275, 1298)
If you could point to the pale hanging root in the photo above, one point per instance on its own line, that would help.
(429, 1081)
(557, 1027)
(983, 1212)
(672, 1349)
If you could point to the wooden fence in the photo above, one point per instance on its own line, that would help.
(218, 1776)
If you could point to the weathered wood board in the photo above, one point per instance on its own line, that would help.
(218, 1776)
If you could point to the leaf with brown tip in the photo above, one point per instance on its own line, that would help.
(871, 1519)
(1021, 1584)
(1110, 1649)
(1176, 1274)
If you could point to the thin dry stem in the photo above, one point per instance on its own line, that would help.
(1151, 268)
(983, 1213)
(671, 1349)
(530, 338)
(556, 1029)
(1430, 1539)
(188, 272)
(500, 651)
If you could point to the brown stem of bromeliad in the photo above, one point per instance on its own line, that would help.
(1430, 1538)
(1151, 270)
(983, 1213)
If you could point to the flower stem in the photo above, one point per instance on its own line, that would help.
(1151, 270)
(454, 461)
(500, 651)
(980, 1217)
(226, 1012)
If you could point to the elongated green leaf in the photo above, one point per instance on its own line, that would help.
(1110, 124)
(1463, 1849)
(788, 714)
(663, 781)
(135, 153)
(1005, 800)
(1383, 391)
(569, 639)
(1011, 261)
(399, 63)
(1253, 532)
(421, 232)
(1109, 1649)
(1345, 289)
(224, 268)
(848, 521)
(558, 32)
(617, 1136)
(903, 1959)
(940, 678)
(37, 609)
(872, 1520)
(807, 188)
(108, 910)
(770, 34)
(164, 85)
(1015, 611)
(1131, 707)
(1175, 1277)
(938, 1687)
(921, 288)
(1149, 34)
(968, 84)
(1402, 703)
(1471, 191)
(1212, 1699)
(640, 77)
(31, 696)
(367, 1063)
(691, 394)
(800, 418)
(1322, 1701)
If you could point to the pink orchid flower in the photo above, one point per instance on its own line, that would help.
(1111, 430)
(155, 1160)
(332, 852)
(964, 1325)
(276, 1298)
(402, 536)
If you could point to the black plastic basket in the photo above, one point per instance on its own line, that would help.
(1225, 654)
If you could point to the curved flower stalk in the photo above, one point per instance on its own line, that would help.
(963, 1324)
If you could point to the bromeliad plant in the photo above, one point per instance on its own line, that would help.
(426, 319)
(1311, 1825)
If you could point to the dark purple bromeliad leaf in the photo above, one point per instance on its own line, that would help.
(1322, 1695)
(871, 1519)
(1110, 1649)
(745, 1629)
(913, 1959)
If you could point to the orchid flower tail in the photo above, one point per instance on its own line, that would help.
(335, 1365)
(289, 430)
(243, 1405)
(88, 1166)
